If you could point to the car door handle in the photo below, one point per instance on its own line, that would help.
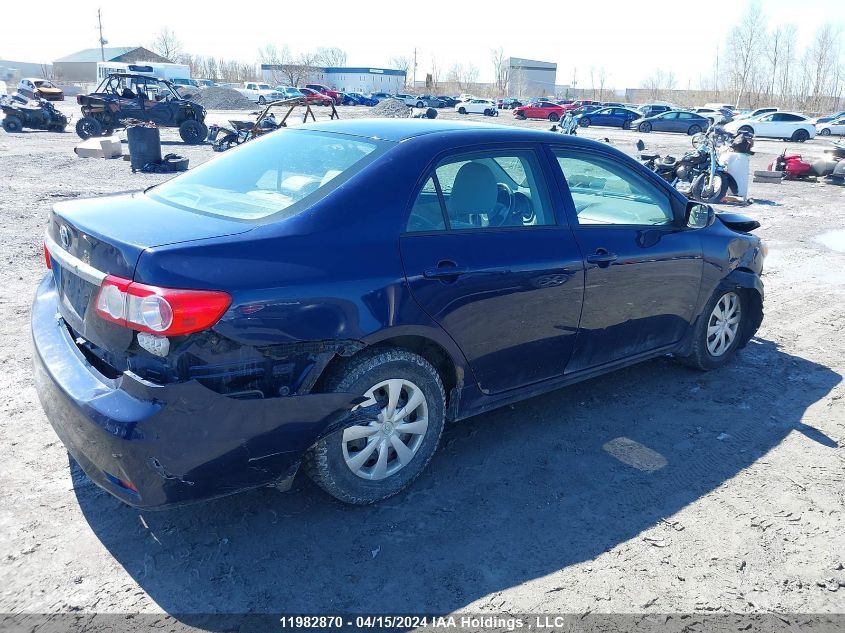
(445, 270)
(602, 256)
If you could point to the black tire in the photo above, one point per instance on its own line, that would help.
(262, 100)
(645, 127)
(626, 125)
(193, 132)
(12, 124)
(462, 110)
(799, 136)
(325, 463)
(699, 355)
(584, 121)
(701, 183)
(87, 127)
(420, 104)
(745, 129)
(825, 131)
(487, 112)
(693, 130)
(553, 117)
(520, 116)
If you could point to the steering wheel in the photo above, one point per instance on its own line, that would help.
(504, 204)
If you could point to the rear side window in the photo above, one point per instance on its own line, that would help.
(485, 190)
(280, 172)
(607, 192)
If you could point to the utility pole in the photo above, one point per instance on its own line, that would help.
(574, 82)
(414, 81)
(102, 41)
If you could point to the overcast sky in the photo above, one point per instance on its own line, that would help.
(629, 39)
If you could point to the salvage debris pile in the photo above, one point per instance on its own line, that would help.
(217, 98)
(390, 109)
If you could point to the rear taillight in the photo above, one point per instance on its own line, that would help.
(164, 311)
(47, 256)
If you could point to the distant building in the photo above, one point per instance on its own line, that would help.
(13, 71)
(82, 65)
(343, 79)
(531, 78)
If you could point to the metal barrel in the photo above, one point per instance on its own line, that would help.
(144, 145)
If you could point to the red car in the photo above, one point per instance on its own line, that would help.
(540, 110)
(312, 97)
(325, 90)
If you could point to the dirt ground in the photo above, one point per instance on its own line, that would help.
(655, 489)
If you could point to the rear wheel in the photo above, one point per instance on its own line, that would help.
(87, 127)
(420, 104)
(553, 117)
(262, 100)
(693, 130)
(645, 127)
(377, 458)
(719, 330)
(799, 136)
(745, 129)
(520, 116)
(12, 124)
(825, 131)
(462, 110)
(584, 121)
(193, 132)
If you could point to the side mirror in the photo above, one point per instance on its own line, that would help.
(699, 215)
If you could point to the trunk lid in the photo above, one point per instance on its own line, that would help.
(91, 238)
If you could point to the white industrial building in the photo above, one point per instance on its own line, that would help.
(530, 77)
(346, 79)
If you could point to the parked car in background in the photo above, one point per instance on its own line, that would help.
(789, 126)
(583, 109)
(206, 83)
(713, 115)
(681, 121)
(428, 101)
(465, 96)
(315, 98)
(721, 106)
(381, 96)
(754, 113)
(613, 104)
(477, 106)
(334, 95)
(259, 93)
(448, 102)
(361, 99)
(186, 85)
(170, 380)
(35, 88)
(540, 110)
(585, 102)
(508, 104)
(609, 117)
(290, 92)
(650, 109)
(822, 119)
(836, 127)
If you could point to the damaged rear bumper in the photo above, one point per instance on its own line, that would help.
(155, 446)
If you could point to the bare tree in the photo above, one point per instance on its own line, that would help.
(330, 57)
(403, 63)
(167, 44)
(435, 73)
(464, 77)
(602, 82)
(501, 69)
(745, 43)
(659, 83)
(823, 66)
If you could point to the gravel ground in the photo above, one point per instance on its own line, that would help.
(651, 490)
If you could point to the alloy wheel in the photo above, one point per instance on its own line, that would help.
(723, 324)
(387, 444)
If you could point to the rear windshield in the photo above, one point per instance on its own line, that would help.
(280, 173)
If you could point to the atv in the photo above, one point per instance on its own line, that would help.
(123, 97)
(38, 114)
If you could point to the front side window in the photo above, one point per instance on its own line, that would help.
(607, 192)
(487, 190)
(269, 175)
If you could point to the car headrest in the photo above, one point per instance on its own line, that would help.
(474, 190)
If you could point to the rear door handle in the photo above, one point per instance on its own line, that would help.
(445, 270)
(602, 256)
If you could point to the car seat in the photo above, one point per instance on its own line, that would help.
(474, 193)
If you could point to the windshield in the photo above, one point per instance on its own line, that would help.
(270, 175)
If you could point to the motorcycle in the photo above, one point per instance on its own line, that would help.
(568, 124)
(239, 132)
(792, 166)
(38, 114)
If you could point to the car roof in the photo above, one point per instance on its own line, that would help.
(398, 130)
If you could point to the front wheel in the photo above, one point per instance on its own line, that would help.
(520, 116)
(584, 121)
(745, 129)
(825, 131)
(262, 100)
(645, 127)
(693, 130)
(420, 104)
(719, 331)
(553, 117)
(87, 127)
(376, 458)
(193, 132)
(709, 189)
(12, 124)
(462, 110)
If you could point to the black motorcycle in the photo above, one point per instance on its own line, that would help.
(35, 115)
(679, 172)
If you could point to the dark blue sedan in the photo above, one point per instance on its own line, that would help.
(610, 117)
(328, 297)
